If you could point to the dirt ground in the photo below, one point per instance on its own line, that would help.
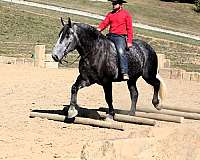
(23, 88)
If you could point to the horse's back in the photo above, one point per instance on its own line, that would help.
(150, 61)
(146, 49)
(141, 58)
(136, 59)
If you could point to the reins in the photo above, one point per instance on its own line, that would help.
(70, 62)
(75, 59)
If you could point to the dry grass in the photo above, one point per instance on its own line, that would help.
(175, 16)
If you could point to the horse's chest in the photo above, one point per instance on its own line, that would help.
(99, 67)
(89, 71)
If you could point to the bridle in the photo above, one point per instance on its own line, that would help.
(77, 57)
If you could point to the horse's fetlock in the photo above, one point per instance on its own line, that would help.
(72, 104)
(112, 113)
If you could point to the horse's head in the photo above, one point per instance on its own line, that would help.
(66, 42)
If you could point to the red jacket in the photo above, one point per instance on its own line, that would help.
(120, 23)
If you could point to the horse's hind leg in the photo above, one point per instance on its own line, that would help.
(134, 95)
(108, 96)
(80, 83)
(155, 82)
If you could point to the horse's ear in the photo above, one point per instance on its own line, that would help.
(61, 19)
(69, 22)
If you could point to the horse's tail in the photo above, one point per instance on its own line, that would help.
(163, 88)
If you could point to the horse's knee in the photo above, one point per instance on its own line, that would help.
(73, 89)
(84, 84)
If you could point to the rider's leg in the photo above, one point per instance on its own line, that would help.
(120, 43)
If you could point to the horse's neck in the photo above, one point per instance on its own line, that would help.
(96, 47)
(97, 55)
(93, 45)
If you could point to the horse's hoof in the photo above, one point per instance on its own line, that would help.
(109, 118)
(158, 106)
(72, 113)
(131, 113)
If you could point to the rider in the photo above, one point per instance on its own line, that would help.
(120, 32)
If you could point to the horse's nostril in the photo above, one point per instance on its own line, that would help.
(55, 58)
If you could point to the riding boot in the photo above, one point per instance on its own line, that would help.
(125, 77)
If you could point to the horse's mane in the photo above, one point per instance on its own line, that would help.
(89, 32)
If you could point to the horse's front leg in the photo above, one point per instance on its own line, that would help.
(80, 83)
(108, 96)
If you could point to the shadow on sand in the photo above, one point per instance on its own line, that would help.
(82, 112)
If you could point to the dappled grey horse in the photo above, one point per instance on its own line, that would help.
(99, 64)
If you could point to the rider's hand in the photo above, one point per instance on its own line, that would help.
(129, 45)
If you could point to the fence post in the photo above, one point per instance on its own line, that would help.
(39, 56)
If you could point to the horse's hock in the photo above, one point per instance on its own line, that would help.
(43, 60)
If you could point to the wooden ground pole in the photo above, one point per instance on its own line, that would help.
(186, 115)
(79, 120)
(130, 119)
(155, 116)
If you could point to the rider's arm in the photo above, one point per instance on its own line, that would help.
(104, 23)
(129, 30)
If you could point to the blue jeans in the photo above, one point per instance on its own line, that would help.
(120, 44)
